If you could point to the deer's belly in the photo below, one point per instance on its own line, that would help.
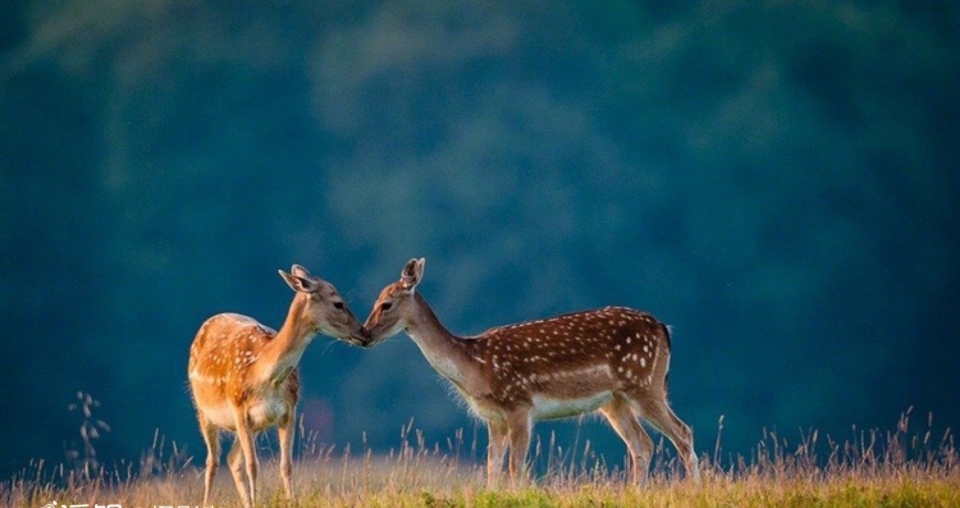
(260, 415)
(266, 412)
(546, 408)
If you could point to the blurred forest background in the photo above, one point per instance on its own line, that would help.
(777, 180)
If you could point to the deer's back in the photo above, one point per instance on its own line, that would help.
(575, 337)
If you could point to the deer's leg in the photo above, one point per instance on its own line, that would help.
(235, 462)
(658, 413)
(247, 440)
(518, 434)
(286, 431)
(496, 450)
(621, 417)
(211, 436)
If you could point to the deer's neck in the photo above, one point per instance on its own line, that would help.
(445, 351)
(281, 355)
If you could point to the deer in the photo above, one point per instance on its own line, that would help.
(612, 360)
(244, 377)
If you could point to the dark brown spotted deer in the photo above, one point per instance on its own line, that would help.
(613, 360)
(244, 379)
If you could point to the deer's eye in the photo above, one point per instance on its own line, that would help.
(338, 305)
(386, 306)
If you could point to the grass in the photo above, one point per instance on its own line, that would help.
(901, 467)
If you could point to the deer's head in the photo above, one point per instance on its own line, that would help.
(395, 306)
(321, 309)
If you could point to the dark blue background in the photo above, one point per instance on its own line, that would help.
(777, 180)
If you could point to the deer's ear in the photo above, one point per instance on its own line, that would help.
(298, 283)
(300, 271)
(412, 273)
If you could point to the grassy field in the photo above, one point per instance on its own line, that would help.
(901, 467)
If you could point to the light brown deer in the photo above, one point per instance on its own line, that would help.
(244, 378)
(614, 360)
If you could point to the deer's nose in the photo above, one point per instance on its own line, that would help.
(365, 339)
